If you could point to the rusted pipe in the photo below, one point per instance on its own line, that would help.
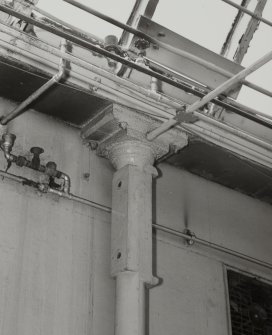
(33, 97)
(213, 94)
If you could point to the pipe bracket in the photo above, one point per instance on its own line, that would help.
(182, 116)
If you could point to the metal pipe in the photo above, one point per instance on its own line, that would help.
(258, 88)
(92, 38)
(34, 96)
(86, 44)
(213, 94)
(61, 194)
(168, 47)
(156, 97)
(171, 231)
(13, 177)
(76, 198)
(213, 246)
(162, 99)
(235, 131)
(265, 158)
(67, 182)
(243, 9)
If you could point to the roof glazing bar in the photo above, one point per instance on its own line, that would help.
(243, 9)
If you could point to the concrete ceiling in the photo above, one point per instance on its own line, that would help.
(64, 102)
(76, 107)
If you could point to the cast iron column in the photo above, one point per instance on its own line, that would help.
(131, 232)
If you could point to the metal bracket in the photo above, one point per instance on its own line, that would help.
(192, 236)
(184, 117)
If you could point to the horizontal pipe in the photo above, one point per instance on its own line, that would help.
(92, 38)
(229, 104)
(157, 97)
(168, 47)
(61, 194)
(86, 44)
(13, 177)
(211, 245)
(264, 158)
(235, 131)
(76, 198)
(257, 88)
(243, 9)
(34, 96)
(213, 94)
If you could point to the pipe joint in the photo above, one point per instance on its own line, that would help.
(67, 182)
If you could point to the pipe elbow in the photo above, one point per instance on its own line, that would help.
(8, 156)
(60, 75)
(67, 183)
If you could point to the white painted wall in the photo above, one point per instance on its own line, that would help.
(192, 297)
(55, 254)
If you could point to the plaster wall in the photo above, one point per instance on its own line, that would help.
(55, 253)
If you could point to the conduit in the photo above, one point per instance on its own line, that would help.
(213, 94)
(214, 246)
(232, 106)
(190, 238)
(22, 107)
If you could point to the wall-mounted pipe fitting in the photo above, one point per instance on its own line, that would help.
(50, 169)
(6, 145)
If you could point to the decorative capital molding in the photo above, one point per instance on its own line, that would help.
(116, 126)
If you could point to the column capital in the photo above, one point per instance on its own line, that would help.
(119, 134)
(130, 152)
